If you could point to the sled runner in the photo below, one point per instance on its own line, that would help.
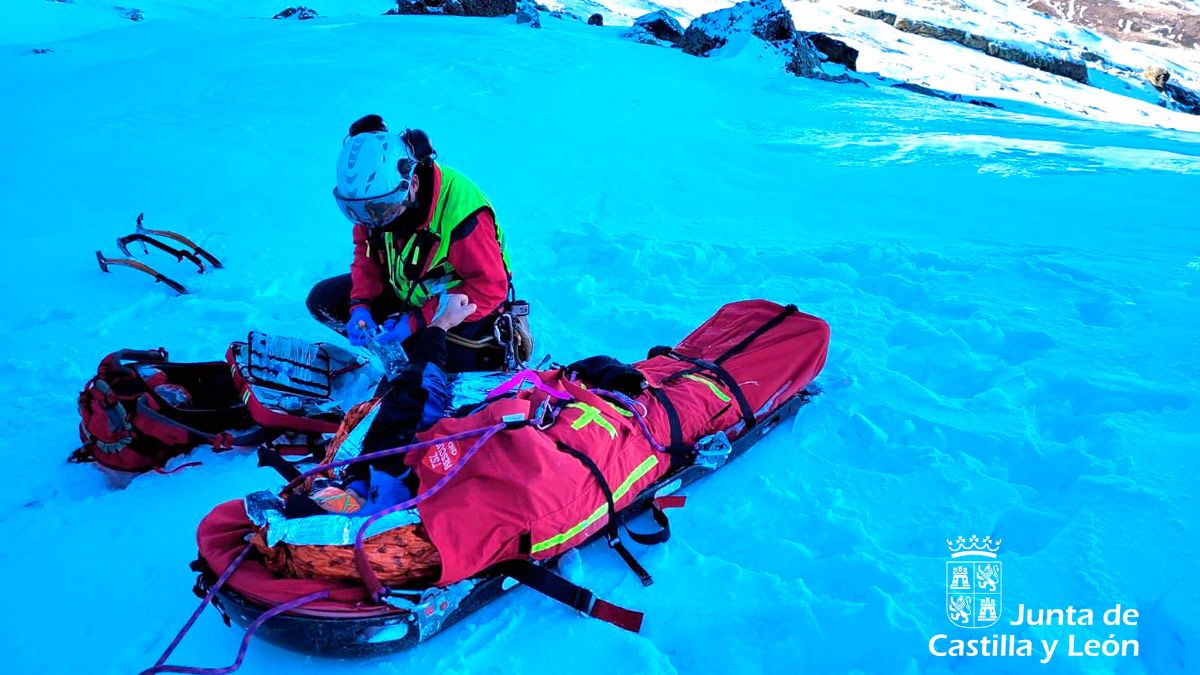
(549, 467)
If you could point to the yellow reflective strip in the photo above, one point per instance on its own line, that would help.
(589, 414)
(389, 252)
(712, 386)
(641, 470)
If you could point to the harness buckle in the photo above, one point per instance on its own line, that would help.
(545, 416)
(505, 332)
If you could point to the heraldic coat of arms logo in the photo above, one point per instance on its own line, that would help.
(973, 582)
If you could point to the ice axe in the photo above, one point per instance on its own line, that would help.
(125, 262)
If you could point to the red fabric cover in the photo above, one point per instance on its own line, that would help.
(476, 258)
(521, 483)
(222, 536)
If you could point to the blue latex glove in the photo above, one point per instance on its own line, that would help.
(395, 330)
(361, 327)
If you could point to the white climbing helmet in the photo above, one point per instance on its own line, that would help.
(374, 172)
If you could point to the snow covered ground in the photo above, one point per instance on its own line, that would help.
(1013, 296)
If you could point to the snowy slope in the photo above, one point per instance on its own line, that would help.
(1117, 93)
(1013, 296)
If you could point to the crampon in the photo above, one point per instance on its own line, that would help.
(148, 238)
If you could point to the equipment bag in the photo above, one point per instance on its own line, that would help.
(292, 385)
(140, 410)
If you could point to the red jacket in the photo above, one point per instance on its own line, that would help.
(474, 253)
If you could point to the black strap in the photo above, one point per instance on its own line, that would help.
(775, 321)
(269, 456)
(557, 588)
(723, 375)
(681, 455)
(612, 527)
(715, 368)
(657, 511)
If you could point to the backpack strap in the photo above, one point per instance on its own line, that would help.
(154, 423)
(115, 363)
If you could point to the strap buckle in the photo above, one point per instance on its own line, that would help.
(713, 451)
(545, 416)
(585, 601)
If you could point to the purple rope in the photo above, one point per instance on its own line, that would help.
(374, 586)
(632, 406)
(400, 450)
(241, 655)
(528, 375)
(212, 591)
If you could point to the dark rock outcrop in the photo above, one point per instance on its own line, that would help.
(640, 35)
(456, 7)
(1183, 100)
(877, 14)
(1063, 67)
(297, 13)
(661, 25)
(835, 51)
(1075, 70)
(775, 25)
(133, 14)
(595, 20)
(527, 13)
(699, 42)
(805, 60)
(767, 20)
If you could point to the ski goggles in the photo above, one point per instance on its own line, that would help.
(374, 212)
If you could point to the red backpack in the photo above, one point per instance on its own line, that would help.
(140, 410)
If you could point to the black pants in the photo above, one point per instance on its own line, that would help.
(329, 303)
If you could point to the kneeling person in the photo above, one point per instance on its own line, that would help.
(421, 230)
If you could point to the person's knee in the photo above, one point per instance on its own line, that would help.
(316, 296)
(329, 298)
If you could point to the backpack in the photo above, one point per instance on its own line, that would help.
(140, 410)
